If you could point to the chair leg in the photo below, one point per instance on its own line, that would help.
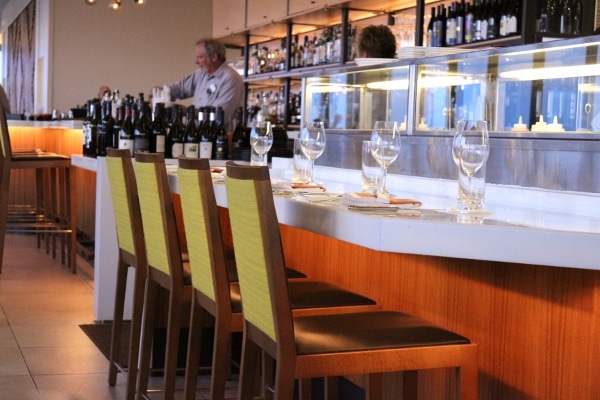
(468, 380)
(117, 329)
(147, 337)
(284, 380)
(331, 387)
(220, 361)
(172, 350)
(193, 351)
(71, 214)
(136, 329)
(305, 389)
(410, 385)
(4, 184)
(248, 370)
(375, 387)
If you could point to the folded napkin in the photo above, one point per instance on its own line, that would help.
(367, 199)
(217, 173)
(296, 187)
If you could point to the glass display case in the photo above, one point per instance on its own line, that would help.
(355, 100)
(541, 102)
(543, 88)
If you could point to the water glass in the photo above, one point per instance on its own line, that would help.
(371, 170)
(470, 150)
(301, 164)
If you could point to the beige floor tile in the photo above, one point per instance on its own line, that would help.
(50, 336)
(48, 317)
(7, 338)
(64, 360)
(63, 300)
(12, 362)
(18, 388)
(79, 387)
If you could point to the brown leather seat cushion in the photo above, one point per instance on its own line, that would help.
(306, 293)
(368, 331)
(38, 156)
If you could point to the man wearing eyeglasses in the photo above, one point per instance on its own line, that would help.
(214, 83)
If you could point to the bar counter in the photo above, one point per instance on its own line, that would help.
(523, 283)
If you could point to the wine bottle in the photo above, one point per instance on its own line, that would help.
(120, 117)
(240, 140)
(105, 129)
(206, 136)
(176, 135)
(159, 133)
(577, 17)
(451, 25)
(566, 18)
(190, 147)
(142, 130)
(430, 28)
(126, 131)
(94, 122)
(469, 23)
(85, 129)
(439, 27)
(460, 23)
(220, 133)
(493, 20)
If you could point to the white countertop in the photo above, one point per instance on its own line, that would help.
(526, 225)
(61, 124)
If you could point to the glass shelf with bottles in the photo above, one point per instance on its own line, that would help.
(461, 23)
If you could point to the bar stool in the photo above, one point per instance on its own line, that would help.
(320, 346)
(215, 294)
(132, 252)
(54, 212)
(166, 268)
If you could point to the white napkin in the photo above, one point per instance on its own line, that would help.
(367, 199)
(296, 187)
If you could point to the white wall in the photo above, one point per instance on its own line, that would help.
(132, 49)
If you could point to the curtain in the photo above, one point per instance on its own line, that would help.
(20, 50)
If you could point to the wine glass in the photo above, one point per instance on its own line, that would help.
(312, 143)
(261, 140)
(385, 147)
(470, 150)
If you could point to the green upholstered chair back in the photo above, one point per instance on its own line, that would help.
(199, 209)
(158, 216)
(256, 238)
(124, 197)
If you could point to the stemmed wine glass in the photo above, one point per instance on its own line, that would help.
(470, 150)
(385, 147)
(261, 140)
(312, 143)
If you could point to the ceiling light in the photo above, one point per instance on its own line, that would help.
(90, 2)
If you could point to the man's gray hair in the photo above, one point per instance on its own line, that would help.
(213, 46)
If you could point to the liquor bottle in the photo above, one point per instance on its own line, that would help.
(94, 122)
(126, 131)
(469, 23)
(552, 7)
(105, 129)
(451, 25)
(543, 21)
(142, 130)
(176, 135)
(430, 28)
(221, 140)
(116, 100)
(460, 23)
(206, 137)
(190, 147)
(479, 19)
(159, 133)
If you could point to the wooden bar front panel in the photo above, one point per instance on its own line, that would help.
(536, 326)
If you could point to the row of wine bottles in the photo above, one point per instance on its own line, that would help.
(556, 16)
(164, 131)
(465, 22)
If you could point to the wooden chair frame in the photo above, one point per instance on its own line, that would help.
(282, 348)
(159, 222)
(132, 253)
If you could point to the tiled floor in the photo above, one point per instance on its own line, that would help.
(43, 352)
